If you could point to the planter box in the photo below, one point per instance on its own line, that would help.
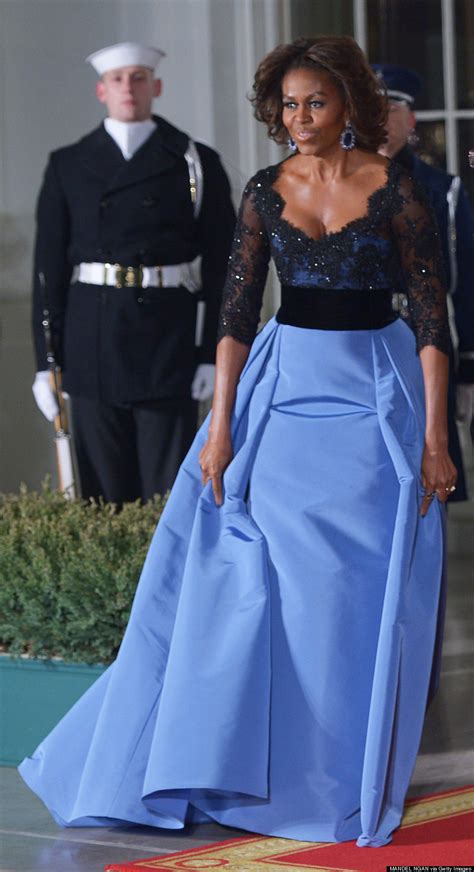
(34, 696)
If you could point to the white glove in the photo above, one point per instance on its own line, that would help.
(44, 395)
(465, 403)
(203, 382)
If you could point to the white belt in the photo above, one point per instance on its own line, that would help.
(118, 276)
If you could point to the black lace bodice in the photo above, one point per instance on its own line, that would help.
(394, 245)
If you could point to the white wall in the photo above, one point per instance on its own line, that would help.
(47, 100)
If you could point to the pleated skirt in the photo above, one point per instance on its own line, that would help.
(275, 671)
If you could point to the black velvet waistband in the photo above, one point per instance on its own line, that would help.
(326, 309)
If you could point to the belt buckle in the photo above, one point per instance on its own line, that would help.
(159, 276)
(134, 277)
(128, 276)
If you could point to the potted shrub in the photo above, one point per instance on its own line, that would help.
(68, 572)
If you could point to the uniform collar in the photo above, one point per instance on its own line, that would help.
(129, 135)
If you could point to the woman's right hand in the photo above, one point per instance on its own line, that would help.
(438, 474)
(214, 459)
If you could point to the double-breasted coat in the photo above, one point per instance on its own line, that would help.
(127, 345)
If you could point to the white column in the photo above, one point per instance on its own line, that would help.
(360, 24)
(258, 29)
(449, 76)
(276, 31)
(245, 56)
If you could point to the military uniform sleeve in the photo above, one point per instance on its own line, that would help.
(247, 272)
(463, 296)
(50, 258)
(418, 243)
(216, 224)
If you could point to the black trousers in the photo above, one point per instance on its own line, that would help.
(129, 452)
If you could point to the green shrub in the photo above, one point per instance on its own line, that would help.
(68, 573)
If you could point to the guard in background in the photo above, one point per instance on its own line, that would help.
(134, 226)
(455, 217)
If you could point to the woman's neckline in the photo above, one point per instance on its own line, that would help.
(354, 222)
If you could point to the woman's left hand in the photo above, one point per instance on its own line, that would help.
(438, 475)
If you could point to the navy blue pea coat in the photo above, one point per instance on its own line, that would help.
(127, 345)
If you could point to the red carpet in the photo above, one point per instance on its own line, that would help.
(437, 830)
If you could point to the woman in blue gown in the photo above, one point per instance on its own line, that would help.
(275, 670)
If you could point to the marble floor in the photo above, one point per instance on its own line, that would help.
(30, 841)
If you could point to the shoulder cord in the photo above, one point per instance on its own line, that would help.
(452, 197)
(196, 178)
(196, 185)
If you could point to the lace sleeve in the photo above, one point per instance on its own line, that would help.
(419, 249)
(247, 272)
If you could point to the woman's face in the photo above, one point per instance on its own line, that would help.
(314, 113)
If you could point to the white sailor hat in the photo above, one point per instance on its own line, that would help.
(125, 54)
(401, 84)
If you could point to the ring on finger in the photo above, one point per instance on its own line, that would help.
(451, 489)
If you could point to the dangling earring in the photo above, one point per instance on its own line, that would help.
(292, 144)
(347, 139)
(413, 138)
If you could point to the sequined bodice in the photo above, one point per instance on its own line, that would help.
(395, 244)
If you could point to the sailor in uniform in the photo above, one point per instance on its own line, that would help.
(455, 217)
(134, 226)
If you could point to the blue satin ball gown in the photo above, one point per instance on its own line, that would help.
(275, 670)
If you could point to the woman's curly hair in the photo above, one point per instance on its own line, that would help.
(344, 61)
